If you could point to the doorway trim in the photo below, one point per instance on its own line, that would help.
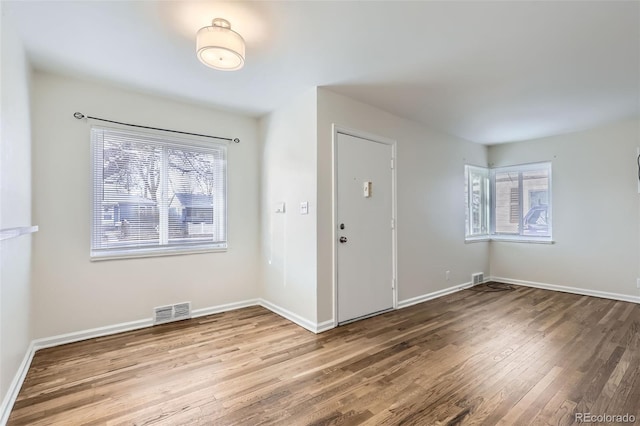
(335, 129)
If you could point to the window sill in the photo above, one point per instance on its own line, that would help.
(501, 239)
(120, 255)
(8, 233)
(471, 240)
(522, 240)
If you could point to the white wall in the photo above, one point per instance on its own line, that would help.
(430, 197)
(70, 292)
(595, 211)
(288, 255)
(15, 205)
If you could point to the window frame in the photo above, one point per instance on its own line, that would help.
(492, 235)
(485, 203)
(162, 249)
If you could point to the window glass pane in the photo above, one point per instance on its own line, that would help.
(191, 194)
(535, 207)
(507, 207)
(477, 208)
(131, 177)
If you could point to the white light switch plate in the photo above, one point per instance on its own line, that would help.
(366, 189)
(304, 207)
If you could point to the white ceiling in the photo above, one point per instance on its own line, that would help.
(488, 72)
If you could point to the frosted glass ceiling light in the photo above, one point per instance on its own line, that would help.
(219, 47)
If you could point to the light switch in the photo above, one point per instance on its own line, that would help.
(366, 189)
(304, 207)
(279, 207)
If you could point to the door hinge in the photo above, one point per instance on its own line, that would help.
(393, 283)
(392, 163)
(393, 224)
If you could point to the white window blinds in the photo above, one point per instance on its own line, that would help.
(154, 194)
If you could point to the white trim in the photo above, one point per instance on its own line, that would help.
(293, 317)
(471, 240)
(335, 130)
(325, 325)
(434, 295)
(522, 167)
(8, 233)
(99, 256)
(566, 289)
(16, 385)
(334, 224)
(361, 134)
(505, 239)
(394, 212)
(224, 308)
(521, 239)
(92, 333)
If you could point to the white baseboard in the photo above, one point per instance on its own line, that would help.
(224, 308)
(92, 333)
(287, 314)
(424, 297)
(16, 384)
(324, 326)
(565, 289)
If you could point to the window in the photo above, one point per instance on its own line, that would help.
(518, 202)
(521, 200)
(154, 194)
(477, 196)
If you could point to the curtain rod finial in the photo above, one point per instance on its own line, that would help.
(79, 115)
(236, 140)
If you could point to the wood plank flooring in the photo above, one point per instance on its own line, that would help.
(526, 356)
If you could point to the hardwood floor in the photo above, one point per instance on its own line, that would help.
(518, 357)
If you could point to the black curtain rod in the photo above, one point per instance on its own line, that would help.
(80, 116)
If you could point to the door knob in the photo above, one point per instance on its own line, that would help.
(343, 239)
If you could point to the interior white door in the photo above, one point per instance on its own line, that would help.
(364, 183)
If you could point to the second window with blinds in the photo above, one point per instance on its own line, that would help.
(155, 194)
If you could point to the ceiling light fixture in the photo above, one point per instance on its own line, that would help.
(219, 47)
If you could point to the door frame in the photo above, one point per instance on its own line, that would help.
(335, 130)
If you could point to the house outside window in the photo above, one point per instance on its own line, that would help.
(518, 203)
(156, 195)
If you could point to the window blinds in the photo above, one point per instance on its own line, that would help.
(156, 194)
